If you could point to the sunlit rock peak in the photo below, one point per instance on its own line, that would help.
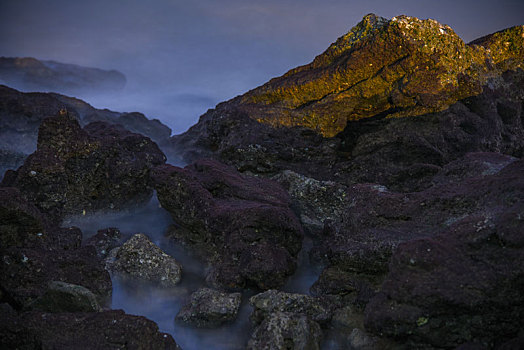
(387, 68)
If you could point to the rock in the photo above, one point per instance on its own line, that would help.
(461, 284)
(402, 154)
(317, 202)
(66, 297)
(105, 240)
(379, 220)
(30, 74)
(360, 340)
(94, 330)
(26, 272)
(134, 122)
(242, 225)
(22, 113)
(272, 301)
(79, 170)
(399, 67)
(20, 222)
(209, 308)
(141, 259)
(281, 330)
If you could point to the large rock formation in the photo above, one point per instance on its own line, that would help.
(30, 74)
(98, 330)
(242, 225)
(77, 170)
(22, 113)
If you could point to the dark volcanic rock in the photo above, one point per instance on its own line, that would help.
(141, 259)
(79, 170)
(66, 297)
(275, 301)
(241, 224)
(31, 74)
(465, 283)
(284, 330)
(100, 330)
(22, 113)
(209, 308)
(26, 272)
(448, 255)
(105, 240)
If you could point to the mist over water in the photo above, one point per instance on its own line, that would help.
(162, 304)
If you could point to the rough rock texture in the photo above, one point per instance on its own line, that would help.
(141, 259)
(284, 330)
(26, 272)
(22, 113)
(99, 330)
(209, 308)
(401, 153)
(77, 170)
(276, 301)
(66, 297)
(241, 224)
(447, 253)
(399, 67)
(34, 252)
(105, 240)
(30, 74)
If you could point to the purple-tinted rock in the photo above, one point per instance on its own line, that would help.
(464, 283)
(105, 240)
(243, 224)
(26, 272)
(96, 330)
(77, 170)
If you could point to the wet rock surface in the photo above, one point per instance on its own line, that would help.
(284, 330)
(276, 301)
(140, 259)
(77, 170)
(243, 224)
(66, 297)
(96, 330)
(105, 240)
(209, 308)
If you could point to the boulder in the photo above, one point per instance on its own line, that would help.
(66, 297)
(242, 225)
(283, 330)
(77, 170)
(209, 308)
(80, 330)
(272, 301)
(141, 259)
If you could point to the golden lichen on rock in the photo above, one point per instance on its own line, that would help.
(399, 67)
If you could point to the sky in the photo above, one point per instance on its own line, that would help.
(182, 57)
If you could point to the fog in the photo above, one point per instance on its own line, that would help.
(182, 57)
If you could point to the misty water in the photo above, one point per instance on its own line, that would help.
(162, 304)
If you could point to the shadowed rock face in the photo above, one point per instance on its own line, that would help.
(242, 225)
(77, 170)
(22, 113)
(97, 330)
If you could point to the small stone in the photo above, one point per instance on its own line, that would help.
(141, 259)
(209, 308)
